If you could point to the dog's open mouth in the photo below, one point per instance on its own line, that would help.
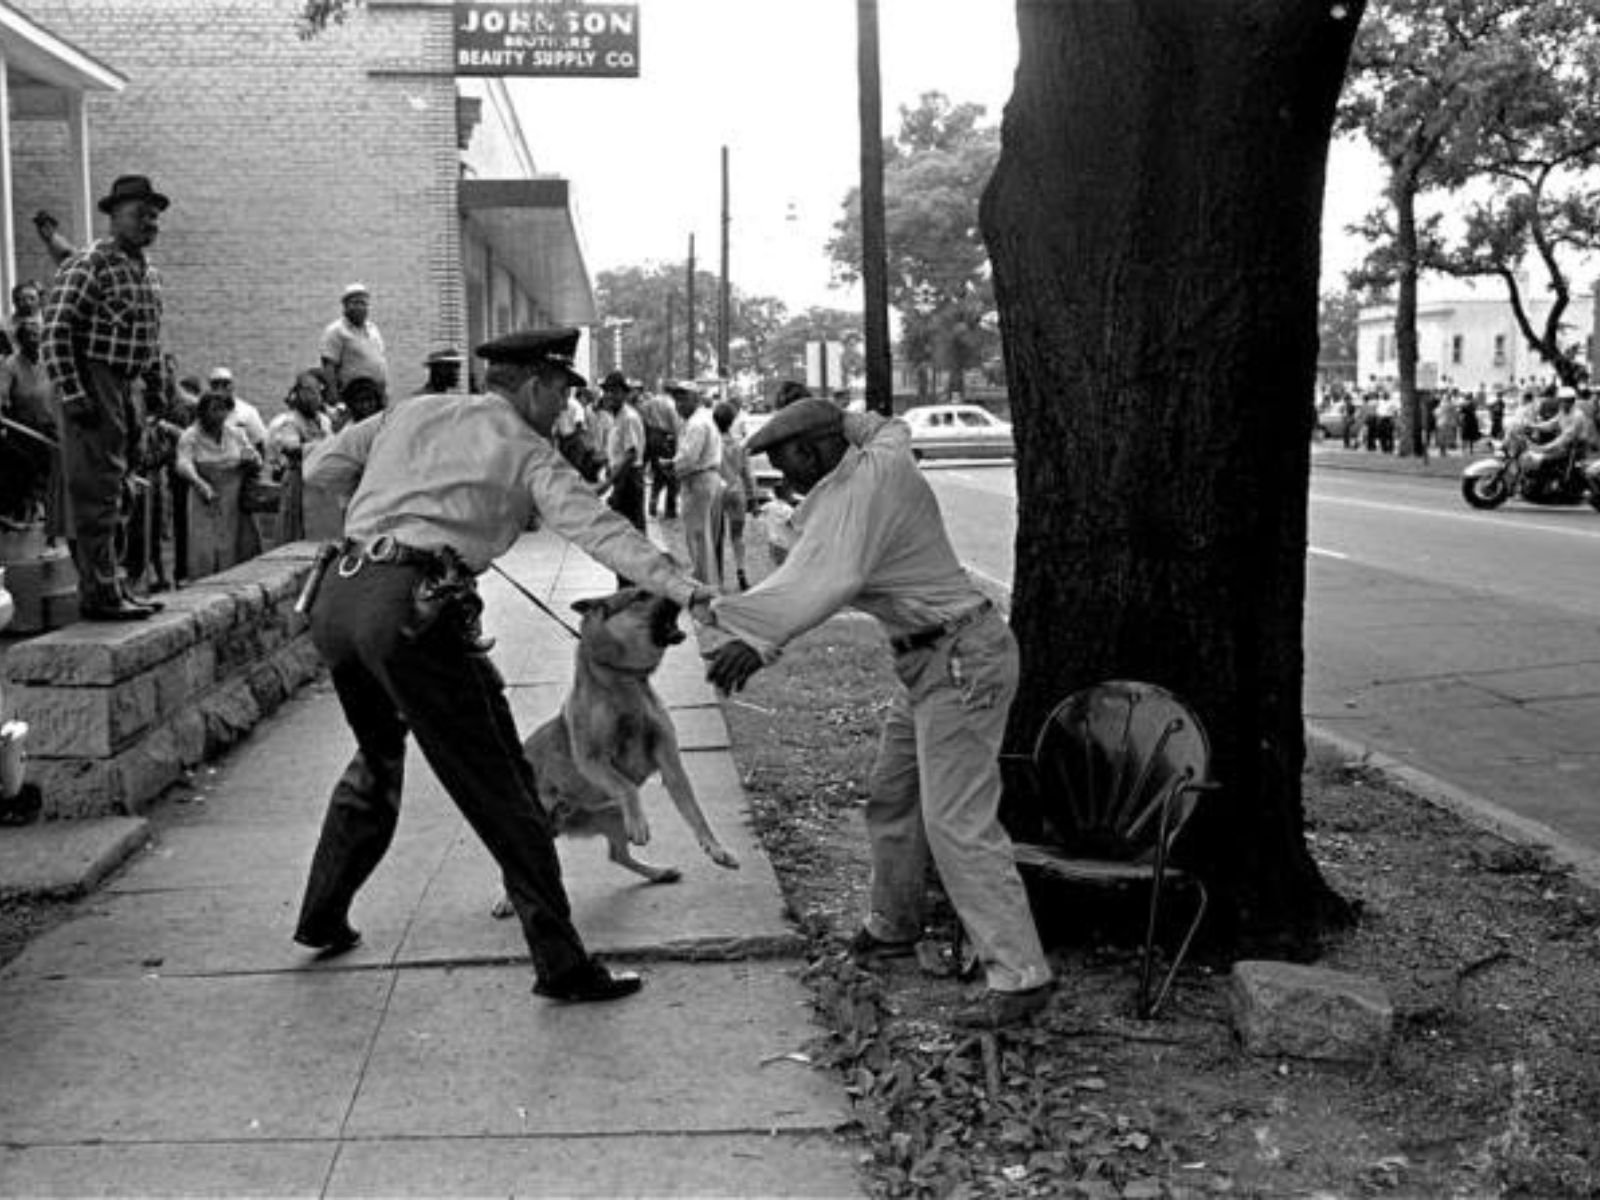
(664, 629)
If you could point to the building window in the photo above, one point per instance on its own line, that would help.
(1499, 349)
(1457, 345)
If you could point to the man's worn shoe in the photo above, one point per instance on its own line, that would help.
(117, 610)
(329, 943)
(997, 1010)
(870, 951)
(589, 985)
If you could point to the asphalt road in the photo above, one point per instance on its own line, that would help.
(1466, 644)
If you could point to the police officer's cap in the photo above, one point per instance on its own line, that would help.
(803, 418)
(536, 347)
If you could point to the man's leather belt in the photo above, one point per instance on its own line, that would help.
(921, 639)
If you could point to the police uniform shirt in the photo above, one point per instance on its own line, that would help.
(467, 472)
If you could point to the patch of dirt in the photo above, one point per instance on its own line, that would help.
(1491, 956)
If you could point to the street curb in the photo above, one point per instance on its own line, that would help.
(1469, 806)
(62, 860)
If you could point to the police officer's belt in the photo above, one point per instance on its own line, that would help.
(921, 639)
(385, 550)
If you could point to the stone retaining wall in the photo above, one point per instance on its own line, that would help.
(119, 712)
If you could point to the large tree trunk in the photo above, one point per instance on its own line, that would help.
(1153, 225)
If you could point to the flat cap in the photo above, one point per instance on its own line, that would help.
(536, 347)
(353, 289)
(803, 418)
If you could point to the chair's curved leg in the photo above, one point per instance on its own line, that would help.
(1183, 949)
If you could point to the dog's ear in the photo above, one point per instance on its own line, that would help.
(584, 605)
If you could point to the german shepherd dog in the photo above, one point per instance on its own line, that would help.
(613, 733)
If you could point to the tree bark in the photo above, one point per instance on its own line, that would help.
(1153, 224)
(1411, 431)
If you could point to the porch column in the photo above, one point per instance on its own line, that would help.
(8, 225)
(80, 227)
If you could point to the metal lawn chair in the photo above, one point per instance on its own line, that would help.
(1119, 768)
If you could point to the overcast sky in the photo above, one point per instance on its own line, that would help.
(775, 82)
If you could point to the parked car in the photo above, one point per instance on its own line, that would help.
(1330, 418)
(958, 431)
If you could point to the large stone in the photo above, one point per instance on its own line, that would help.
(1283, 1009)
(89, 655)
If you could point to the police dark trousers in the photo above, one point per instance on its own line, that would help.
(452, 698)
(94, 458)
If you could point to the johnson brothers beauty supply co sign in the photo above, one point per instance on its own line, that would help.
(546, 37)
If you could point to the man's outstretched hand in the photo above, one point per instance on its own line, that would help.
(731, 667)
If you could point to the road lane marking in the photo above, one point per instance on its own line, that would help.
(1321, 553)
(1474, 517)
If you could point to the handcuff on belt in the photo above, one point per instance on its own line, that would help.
(921, 639)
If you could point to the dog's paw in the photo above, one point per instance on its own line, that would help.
(502, 909)
(666, 875)
(638, 829)
(718, 854)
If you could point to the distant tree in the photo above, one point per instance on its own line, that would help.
(317, 15)
(939, 282)
(1537, 141)
(1425, 75)
(1337, 317)
(788, 346)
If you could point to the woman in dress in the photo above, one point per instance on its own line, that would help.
(301, 514)
(214, 458)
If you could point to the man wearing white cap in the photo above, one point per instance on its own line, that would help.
(352, 347)
(243, 416)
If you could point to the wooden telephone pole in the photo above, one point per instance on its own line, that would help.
(874, 241)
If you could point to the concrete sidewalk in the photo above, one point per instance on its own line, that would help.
(172, 1040)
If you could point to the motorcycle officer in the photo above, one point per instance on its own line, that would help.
(1572, 436)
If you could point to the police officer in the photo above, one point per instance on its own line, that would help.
(440, 490)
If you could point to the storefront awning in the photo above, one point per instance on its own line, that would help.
(528, 225)
(38, 57)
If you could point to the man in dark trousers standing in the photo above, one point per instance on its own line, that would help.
(442, 486)
(102, 331)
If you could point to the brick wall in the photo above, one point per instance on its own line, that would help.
(293, 167)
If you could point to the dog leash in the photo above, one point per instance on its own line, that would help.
(537, 603)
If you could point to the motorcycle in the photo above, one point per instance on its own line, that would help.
(1507, 472)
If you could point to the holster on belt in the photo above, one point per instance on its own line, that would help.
(448, 593)
(313, 584)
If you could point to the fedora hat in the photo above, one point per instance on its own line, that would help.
(133, 187)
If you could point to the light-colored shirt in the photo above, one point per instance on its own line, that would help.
(737, 482)
(295, 431)
(356, 353)
(230, 449)
(699, 445)
(627, 433)
(246, 418)
(469, 473)
(869, 535)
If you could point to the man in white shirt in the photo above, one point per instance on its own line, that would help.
(869, 534)
(352, 347)
(624, 449)
(698, 468)
(243, 416)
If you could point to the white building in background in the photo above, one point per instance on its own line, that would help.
(1467, 337)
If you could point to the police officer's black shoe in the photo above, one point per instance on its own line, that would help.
(589, 984)
(330, 942)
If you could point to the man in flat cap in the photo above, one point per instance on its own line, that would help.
(439, 490)
(352, 346)
(697, 466)
(102, 331)
(444, 371)
(869, 534)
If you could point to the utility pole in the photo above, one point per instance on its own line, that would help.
(722, 298)
(672, 313)
(689, 320)
(874, 241)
